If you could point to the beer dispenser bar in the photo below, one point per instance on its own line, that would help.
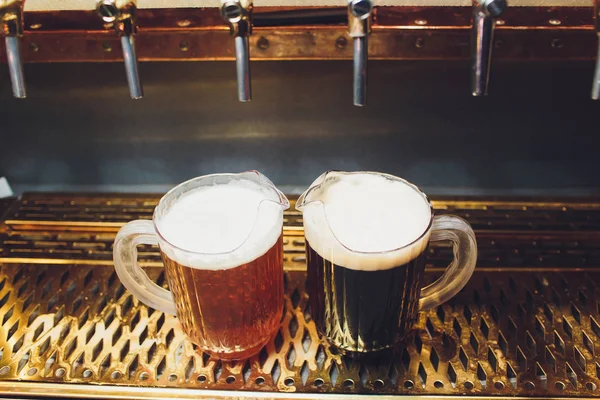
(121, 15)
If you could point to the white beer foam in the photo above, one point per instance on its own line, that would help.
(222, 226)
(368, 222)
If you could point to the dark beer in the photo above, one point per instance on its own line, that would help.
(362, 311)
(366, 239)
(367, 235)
(231, 312)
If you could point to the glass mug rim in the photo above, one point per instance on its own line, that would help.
(300, 204)
(162, 203)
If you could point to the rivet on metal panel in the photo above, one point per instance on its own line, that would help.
(263, 43)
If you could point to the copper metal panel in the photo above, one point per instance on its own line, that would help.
(403, 33)
(527, 324)
(310, 44)
(43, 5)
(190, 19)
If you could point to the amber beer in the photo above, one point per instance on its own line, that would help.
(234, 310)
(220, 238)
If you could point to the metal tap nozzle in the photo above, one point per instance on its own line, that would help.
(596, 82)
(238, 14)
(11, 13)
(122, 14)
(484, 14)
(359, 28)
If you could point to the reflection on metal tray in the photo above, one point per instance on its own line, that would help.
(522, 326)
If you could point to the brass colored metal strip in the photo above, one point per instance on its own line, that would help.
(399, 33)
(133, 393)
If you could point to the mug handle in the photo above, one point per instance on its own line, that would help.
(458, 273)
(133, 277)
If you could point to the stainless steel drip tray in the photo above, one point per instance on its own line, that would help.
(68, 327)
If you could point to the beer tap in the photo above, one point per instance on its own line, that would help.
(238, 14)
(12, 28)
(359, 28)
(122, 14)
(484, 14)
(596, 83)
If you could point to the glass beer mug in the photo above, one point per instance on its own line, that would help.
(220, 238)
(366, 239)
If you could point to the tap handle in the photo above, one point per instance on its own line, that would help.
(361, 47)
(483, 31)
(238, 14)
(15, 66)
(11, 15)
(122, 14)
(131, 67)
(242, 64)
(596, 82)
(484, 14)
(359, 27)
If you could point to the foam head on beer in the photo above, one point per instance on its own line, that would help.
(221, 226)
(368, 221)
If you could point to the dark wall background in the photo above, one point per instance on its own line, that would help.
(537, 132)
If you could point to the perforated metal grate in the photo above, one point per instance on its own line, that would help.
(113, 210)
(98, 211)
(80, 229)
(505, 334)
(527, 325)
(495, 250)
(95, 248)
